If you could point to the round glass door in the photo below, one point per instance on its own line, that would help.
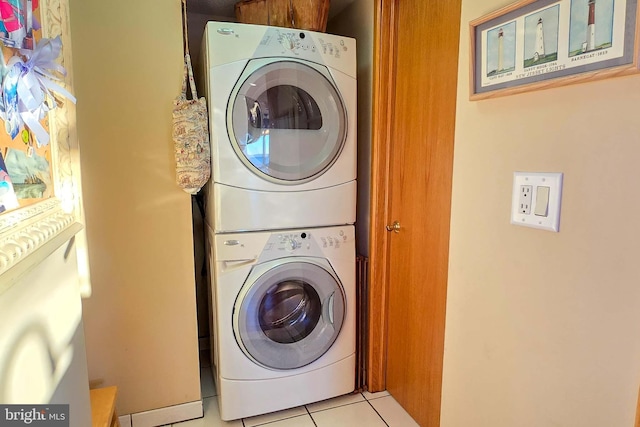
(289, 311)
(287, 121)
(290, 315)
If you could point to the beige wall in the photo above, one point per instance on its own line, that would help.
(356, 20)
(140, 322)
(42, 348)
(542, 328)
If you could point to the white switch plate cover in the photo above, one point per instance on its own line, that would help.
(537, 179)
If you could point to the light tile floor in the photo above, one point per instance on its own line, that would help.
(360, 409)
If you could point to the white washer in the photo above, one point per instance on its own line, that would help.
(282, 106)
(284, 318)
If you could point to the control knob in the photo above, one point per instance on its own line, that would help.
(287, 42)
(293, 244)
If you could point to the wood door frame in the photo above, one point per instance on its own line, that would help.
(384, 71)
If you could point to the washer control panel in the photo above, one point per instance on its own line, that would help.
(290, 242)
(333, 241)
(239, 250)
(304, 242)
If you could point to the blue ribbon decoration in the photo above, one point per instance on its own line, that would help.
(29, 99)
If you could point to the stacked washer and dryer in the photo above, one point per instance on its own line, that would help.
(280, 212)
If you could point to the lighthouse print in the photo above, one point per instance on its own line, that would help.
(501, 49)
(539, 53)
(541, 36)
(591, 26)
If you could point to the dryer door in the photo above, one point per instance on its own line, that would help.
(289, 312)
(286, 120)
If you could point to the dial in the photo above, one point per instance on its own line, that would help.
(293, 244)
(288, 41)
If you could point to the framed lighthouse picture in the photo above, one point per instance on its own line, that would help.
(540, 44)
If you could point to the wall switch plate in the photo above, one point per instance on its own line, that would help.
(536, 200)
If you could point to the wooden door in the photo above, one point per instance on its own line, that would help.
(414, 127)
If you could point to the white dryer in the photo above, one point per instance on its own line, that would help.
(282, 106)
(284, 318)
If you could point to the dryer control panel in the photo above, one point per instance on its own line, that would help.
(297, 42)
(229, 42)
(326, 49)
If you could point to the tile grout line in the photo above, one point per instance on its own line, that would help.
(309, 412)
(339, 406)
(278, 420)
(242, 420)
(376, 398)
(311, 416)
(376, 411)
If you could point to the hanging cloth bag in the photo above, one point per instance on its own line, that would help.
(190, 129)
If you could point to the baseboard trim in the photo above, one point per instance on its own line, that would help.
(168, 415)
(125, 420)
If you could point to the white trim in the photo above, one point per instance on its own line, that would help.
(168, 415)
(125, 420)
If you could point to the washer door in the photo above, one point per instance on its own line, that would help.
(286, 120)
(289, 312)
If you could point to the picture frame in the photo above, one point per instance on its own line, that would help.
(540, 44)
(29, 234)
